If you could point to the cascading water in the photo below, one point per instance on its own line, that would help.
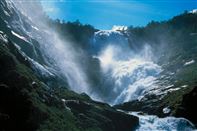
(65, 61)
(60, 55)
(130, 75)
(154, 123)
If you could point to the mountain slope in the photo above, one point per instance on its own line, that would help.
(33, 96)
(29, 104)
(152, 69)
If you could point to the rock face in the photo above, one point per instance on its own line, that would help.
(26, 103)
(33, 96)
(188, 107)
(104, 117)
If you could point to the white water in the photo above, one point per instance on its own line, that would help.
(154, 123)
(134, 75)
(60, 54)
(65, 60)
(131, 75)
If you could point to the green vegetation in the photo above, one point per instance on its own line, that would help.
(76, 32)
(26, 103)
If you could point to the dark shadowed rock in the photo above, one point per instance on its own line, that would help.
(188, 108)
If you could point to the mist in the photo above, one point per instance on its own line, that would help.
(61, 57)
(125, 73)
(131, 74)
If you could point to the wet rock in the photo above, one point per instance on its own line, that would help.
(188, 108)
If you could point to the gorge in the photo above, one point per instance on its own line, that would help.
(69, 76)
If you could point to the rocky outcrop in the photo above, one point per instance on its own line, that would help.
(188, 106)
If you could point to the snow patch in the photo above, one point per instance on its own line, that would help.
(119, 28)
(170, 86)
(189, 62)
(6, 13)
(19, 36)
(34, 27)
(107, 33)
(3, 37)
(18, 47)
(184, 86)
(173, 89)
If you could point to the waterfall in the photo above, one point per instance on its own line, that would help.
(127, 75)
(154, 123)
(60, 55)
(131, 75)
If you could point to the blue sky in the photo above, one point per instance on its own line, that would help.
(103, 14)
